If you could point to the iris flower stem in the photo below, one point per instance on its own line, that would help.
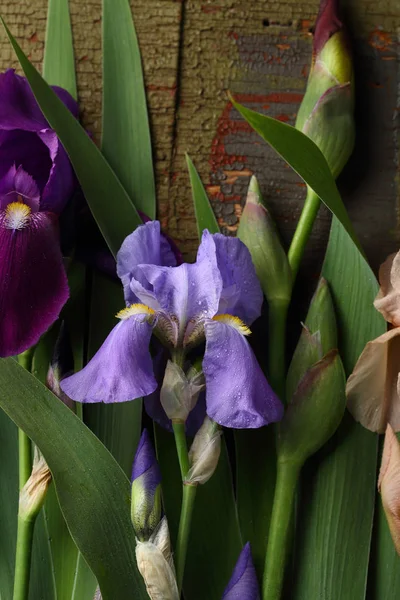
(277, 347)
(280, 530)
(181, 448)
(188, 498)
(25, 527)
(303, 230)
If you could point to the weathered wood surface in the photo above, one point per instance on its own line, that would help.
(193, 52)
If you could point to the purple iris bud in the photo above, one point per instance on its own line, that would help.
(243, 584)
(213, 300)
(146, 489)
(36, 182)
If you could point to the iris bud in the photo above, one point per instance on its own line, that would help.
(179, 392)
(315, 412)
(33, 494)
(243, 583)
(318, 337)
(155, 564)
(389, 484)
(258, 231)
(326, 112)
(204, 453)
(146, 489)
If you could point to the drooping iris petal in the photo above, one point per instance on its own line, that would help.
(34, 285)
(241, 294)
(61, 179)
(17, 183)
(18, 106)
(146, 245)
(121, 370)
(238, 394)
(243, 584)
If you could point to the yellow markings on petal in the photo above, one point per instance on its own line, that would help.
(17, 215)
(234, 322)
(134, 309)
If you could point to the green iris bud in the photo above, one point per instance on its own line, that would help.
(318, 337)
(258, 232)
(315, 412)
(326, 112)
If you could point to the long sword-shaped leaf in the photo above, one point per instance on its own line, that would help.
(304, 157)
(93, 492)
(59, 60)
(205, 217)
(126, 141)
(100, 185)
(337, 505)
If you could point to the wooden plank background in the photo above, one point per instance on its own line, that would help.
(195, 50)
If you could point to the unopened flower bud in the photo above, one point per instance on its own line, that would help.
(33, 494)
(326, 112)
(146, 489)
(258, 231)
(154, 560)
(179, 392)
(243, 584)
(204, 453)
(389, 484)
(318, 337)
(315, 412)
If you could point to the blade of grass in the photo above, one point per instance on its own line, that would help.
(205, 217)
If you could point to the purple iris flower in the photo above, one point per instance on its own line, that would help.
(36, 181)
(214, 299)
(243, 584)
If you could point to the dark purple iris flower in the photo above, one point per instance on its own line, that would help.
(36, 182)
(214, 299)
(243, 584)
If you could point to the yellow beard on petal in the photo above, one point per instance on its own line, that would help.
(17, 215)
(134, 309)
(234, 322)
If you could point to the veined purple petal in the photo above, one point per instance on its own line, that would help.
(33, 283)
(241, 294)
(61, 179)
(243, 584)
(18, 106)
(26, 149)
(146, 245)
(15, 183)
(238, 394)
(145, 463)
(121, 370)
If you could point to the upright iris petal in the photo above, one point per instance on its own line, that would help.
(243, 584)
(36, 181)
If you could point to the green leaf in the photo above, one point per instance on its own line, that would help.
(304, 157)
(59, 61)
(205, 217)
(215, 541)
(92, 490)
(117, 425)
(337, 503)
(126, 141)
(100, 185)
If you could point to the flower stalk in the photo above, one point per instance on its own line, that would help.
(188, 500)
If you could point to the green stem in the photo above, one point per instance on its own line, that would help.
(303, 230)
(276, 346)
(23, 558)
(25, 528)
(188, 498)
(280, 530)
(181, 448)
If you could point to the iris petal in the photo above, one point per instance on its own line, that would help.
(61, 180)
(33, 283)
(15, 183)
(121, 370)
(243, 584)
(241, 293)
(145, 245)
(238, 394)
